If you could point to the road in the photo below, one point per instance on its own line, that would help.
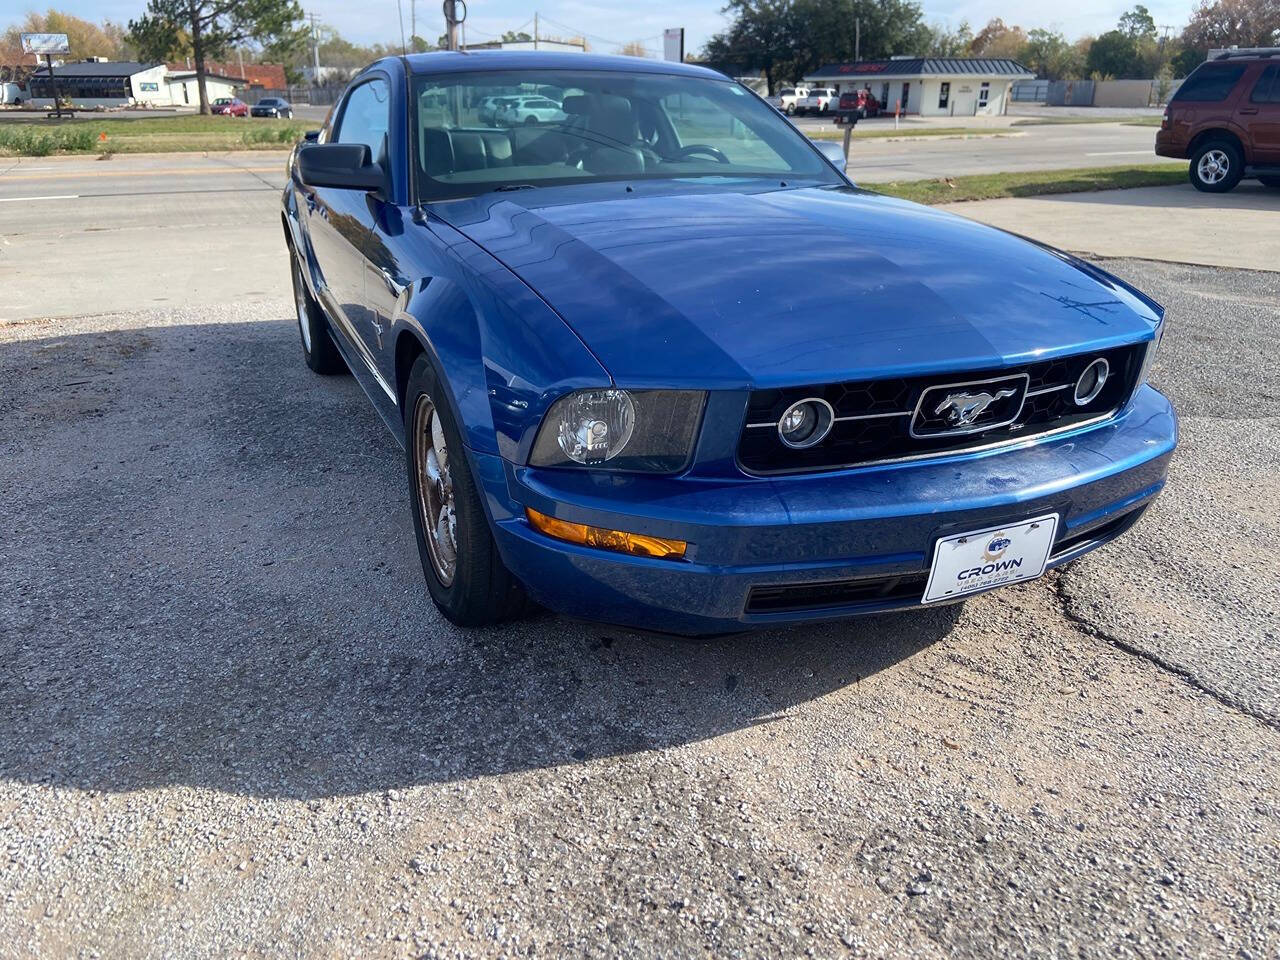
(1050, 147)
(195, 219)
(231, 721)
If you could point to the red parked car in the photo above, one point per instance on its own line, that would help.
(1225, 119)
(229, 107)
(860, 102)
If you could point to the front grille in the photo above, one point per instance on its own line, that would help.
(785, 598)
(874, 419)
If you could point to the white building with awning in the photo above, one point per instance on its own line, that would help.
(928, 86)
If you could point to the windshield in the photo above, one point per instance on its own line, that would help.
(597, 125)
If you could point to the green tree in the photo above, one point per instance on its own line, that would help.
(1114, 54)
(1048, 53)
(1138, 24)
(1187, 59)
(215, 26)
(785, 39)
(949, 43)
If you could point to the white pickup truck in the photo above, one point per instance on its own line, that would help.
(788, 99)
(819, 100)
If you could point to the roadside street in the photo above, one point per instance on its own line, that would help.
(1049, 147)
(79, 235)
(231, 721)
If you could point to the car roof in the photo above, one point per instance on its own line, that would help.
(448, 61)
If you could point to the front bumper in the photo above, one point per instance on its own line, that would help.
(836, 530)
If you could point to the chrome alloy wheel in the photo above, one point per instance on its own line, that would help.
(1214, 166)
(435, 490)
(300, 301)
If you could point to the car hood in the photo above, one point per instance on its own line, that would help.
(732, 288)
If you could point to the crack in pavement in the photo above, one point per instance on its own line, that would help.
(1084, 625)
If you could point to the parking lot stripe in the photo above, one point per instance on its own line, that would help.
(63, 196)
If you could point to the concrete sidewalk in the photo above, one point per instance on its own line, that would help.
(1178, 224)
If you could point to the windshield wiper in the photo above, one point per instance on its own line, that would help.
(514, 186)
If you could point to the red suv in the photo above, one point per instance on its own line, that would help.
(860, 102)
(1225, 118)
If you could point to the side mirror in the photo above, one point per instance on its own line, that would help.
(833, 152)
(343, 165)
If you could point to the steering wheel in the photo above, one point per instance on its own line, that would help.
(717, 155)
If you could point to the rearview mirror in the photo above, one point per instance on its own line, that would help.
(833, 152)
(346, 166)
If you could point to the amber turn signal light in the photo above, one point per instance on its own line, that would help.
(619, 541)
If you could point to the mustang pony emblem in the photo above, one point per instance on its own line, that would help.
(963, 409)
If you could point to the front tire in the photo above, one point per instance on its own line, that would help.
(1216, 167)
(318, 349)
(791, 109)
(465, 576)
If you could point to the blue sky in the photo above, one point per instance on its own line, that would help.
(608, 23)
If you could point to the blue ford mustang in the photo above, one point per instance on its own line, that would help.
(654, 360)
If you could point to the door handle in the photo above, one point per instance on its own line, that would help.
(1248, 110)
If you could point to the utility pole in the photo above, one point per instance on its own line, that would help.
(857, 38)
(315, 50)
(413, 23)
(535, 29)
(451, 23)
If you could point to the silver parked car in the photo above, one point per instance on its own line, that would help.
(529, 110)
(490, 108)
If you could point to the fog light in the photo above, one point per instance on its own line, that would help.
(1091, 382)
(637, 544)
(806, 422)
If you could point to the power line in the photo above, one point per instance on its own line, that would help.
(591, 36)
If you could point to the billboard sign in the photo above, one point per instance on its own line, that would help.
(673, 44)
(42, 44)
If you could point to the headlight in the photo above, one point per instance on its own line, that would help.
(1152, 349)
(641, 430)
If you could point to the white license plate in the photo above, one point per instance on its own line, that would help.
(975, 561)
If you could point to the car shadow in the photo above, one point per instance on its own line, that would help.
(210, 579)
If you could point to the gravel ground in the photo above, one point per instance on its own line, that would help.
(230, 721)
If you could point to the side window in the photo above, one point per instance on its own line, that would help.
(366, 118)
(1209, 84)
(1267, 89)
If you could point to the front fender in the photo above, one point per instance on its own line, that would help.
(502, 352)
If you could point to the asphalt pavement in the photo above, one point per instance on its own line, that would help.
(1016, 149)
(232, 722)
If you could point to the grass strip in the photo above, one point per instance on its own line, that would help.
(181, 134)
(991, 186)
